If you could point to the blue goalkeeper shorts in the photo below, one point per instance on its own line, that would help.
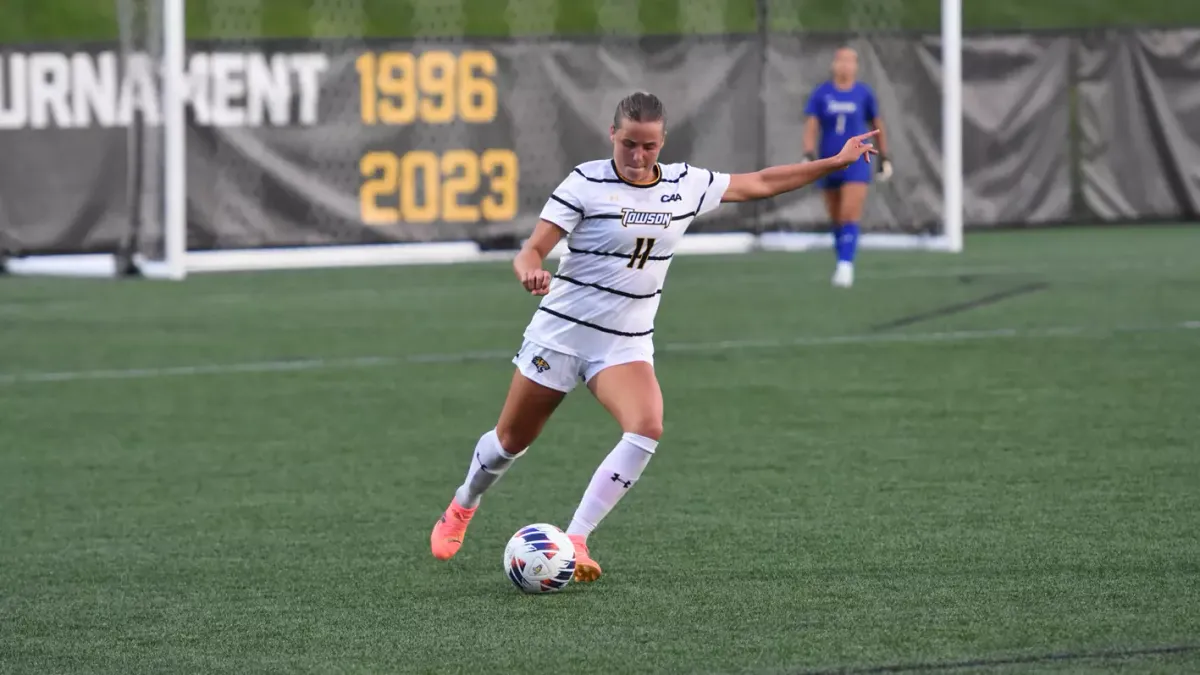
(858, 172)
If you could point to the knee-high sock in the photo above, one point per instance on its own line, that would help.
(488, 464)
(617, 473)
(845, 241)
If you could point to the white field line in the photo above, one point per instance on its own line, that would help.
(298, 365)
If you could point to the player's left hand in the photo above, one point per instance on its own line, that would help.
(857, 147)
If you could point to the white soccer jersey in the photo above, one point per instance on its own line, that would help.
(620, 240)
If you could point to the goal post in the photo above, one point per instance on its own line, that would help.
(175, 191)
(952, 124)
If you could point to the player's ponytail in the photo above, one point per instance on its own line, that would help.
(640, 107)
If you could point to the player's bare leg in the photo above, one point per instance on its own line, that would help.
(526, 410)
(631, 394)
(852, 196)
(833, 204)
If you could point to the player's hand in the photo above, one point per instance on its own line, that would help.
(885, 169)
(536, 282)
(856, 147)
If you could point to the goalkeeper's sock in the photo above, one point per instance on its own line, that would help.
(617, 473)
(846, 242)
(488, 464)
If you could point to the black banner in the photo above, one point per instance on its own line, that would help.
(349, 142)
(1140, 124)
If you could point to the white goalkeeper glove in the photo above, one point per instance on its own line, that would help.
(885, 169)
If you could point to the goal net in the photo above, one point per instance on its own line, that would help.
(327, 133)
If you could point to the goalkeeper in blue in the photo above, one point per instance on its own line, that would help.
(838, 110)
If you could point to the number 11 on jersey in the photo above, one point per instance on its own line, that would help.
(648, 242)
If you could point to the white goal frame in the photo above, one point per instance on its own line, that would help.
(179, 262)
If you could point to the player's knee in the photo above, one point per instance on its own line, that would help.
(513, 438)
(650, 427)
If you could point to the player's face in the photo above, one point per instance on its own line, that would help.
(635, 149)
(845, 65)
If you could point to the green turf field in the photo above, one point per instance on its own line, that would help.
(239, 473)
(38, 20)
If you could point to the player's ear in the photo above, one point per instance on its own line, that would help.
(612, 133)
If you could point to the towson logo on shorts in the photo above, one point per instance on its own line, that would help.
(635, 217)
(540, 364)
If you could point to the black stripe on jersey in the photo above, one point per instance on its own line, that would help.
(598, 180)
(606, 289)
(593, 326)
(657, 177)
(617, 216)
(710, 182)
(572, 249)
(564, 202)
(681, 176)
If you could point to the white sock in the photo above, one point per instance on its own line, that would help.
(488, 464)
(617, 473)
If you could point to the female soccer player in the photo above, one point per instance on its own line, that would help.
(622, 218)
(841, 109)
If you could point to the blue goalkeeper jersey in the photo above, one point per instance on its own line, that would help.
(841, 113)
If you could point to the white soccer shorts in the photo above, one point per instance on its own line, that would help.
(563, 372)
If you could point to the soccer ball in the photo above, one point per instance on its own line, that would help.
(539, 558)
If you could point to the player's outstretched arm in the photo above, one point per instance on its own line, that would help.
(776, 180)
(528, 263)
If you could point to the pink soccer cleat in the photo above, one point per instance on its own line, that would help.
(586, 569)
(449, 531)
